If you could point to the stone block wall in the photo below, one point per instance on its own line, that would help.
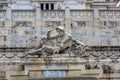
(93, 27)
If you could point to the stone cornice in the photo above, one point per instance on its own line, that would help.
(48, 0)
(91, 48)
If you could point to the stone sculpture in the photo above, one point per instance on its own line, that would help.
(56, 44)
(106, 69)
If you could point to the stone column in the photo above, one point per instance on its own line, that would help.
(96, 17)
(8, 25)
(38, 12)
(9, 13)
(96, 13)
(100, 70)
(67, 20)
(49, 6)
(44, 6)
(96, 23)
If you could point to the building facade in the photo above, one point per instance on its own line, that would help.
(23, 23)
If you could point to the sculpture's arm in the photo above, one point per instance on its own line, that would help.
(77, 42)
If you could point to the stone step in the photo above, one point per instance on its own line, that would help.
(110, 77)
(114, 75)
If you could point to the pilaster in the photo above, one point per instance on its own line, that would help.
(8, 25)
(38, 23)
(68, 20)
(96, 21)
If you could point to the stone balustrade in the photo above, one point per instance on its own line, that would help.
(23, 15)
(83, 15)
(109, 15)
(53, 15)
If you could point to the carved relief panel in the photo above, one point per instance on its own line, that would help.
(2, 24)
(23, 36)
(18, 41)
(81, 23)
(3, 32)
(2, 14)
(110, 28)
(81, 29)
(52, 23)
(22, 24)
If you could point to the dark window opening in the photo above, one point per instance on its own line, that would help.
(107, 0)
(52, 6)
(42, 7)
(47, 6)
(104, 23)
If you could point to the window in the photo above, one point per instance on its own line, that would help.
(47, 6)
(107, 0)
(1, 6)
(42, 6)
(54, 73)
(104, 23)
(52, 6)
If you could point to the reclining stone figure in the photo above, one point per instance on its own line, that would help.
(56, 44)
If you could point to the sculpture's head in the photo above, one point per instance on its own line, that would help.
(60, 30)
